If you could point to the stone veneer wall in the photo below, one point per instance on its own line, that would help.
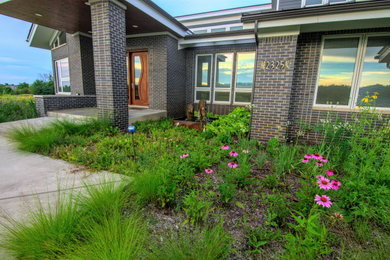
(190, 73)
(57, 102)
(272, 90)
(307, 63)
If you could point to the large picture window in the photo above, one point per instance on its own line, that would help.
(63, 78)
(351, 68)
(203, 77)
(232, 76)
(223, 80)
(244, 77)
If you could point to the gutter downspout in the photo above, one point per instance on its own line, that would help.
(256, 32)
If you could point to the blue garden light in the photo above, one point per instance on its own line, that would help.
(131, 129)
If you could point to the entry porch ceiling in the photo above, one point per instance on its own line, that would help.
(73, 16)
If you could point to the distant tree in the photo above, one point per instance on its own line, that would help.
(23, 88)
(46, 77)
(40, 87)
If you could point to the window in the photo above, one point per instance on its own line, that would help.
(200, 31)
(236, 28)
(63, 79)
(231, 71)
(59, 40)
(223, 81)
(218, 30)
(244, 77)
(353, 66)
(323, 2)
(203, 77)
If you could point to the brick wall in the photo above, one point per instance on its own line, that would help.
(190, 73)
(80, 53)
(109, 48)
(157, 55)
(272, 90)
(166, 72)
(176, 88)
(57, 102)
(304, 83)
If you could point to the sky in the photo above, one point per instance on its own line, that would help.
(21, 63)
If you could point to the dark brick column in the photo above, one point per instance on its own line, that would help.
(109, 52)
(273, 85)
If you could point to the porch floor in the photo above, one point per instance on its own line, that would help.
(135, 114)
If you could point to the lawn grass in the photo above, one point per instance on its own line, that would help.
(188, 203)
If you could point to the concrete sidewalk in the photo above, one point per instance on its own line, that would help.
(24, 177)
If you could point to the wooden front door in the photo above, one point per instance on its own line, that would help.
(138, 78)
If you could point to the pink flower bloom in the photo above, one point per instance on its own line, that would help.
(236, 141)
(316, 156)
(308, 156)
(196, 143)
(329, 172)
(335, 185)
(319, 177)
(208, 171)
(319, 164)
(232, 165)
(184, 155)
(245, 151)
(225, 147)
(233, 153)
(324, 183)
(324, 160)
(323, 201)
(305, 160)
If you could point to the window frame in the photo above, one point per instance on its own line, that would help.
(243, 90)
(215, 89)
(196, 78)
(357, 73)
(324, 2)
(60, 78)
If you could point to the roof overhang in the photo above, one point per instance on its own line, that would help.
(359, 15)
(40, 36)
(71, 16)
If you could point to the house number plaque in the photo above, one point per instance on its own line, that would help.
(275, 64)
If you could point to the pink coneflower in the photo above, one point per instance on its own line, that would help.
(245, 151)
(308, 156)
(233, 154)
(335, 185)
(324, 183)
(208, 171)
(319, 177)
(232, 165)
(196, 143)
(316, 156)
(236, 141)
(184, 155)
(319, 164)
(305, 160)
(338, 216)
(225, 147)
(324, 160)
(329, 172)
(323, 201)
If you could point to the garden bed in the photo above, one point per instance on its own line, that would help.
(17, 107)
(218, 195)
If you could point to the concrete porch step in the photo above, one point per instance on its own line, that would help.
(135, 114)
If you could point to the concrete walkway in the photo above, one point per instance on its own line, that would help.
(25, 177)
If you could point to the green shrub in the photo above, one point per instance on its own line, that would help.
(14, 108)
(234, 124)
